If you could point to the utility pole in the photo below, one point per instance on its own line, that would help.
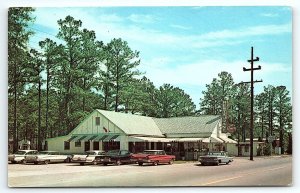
(252, 97)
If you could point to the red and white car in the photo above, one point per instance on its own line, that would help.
(154, 157)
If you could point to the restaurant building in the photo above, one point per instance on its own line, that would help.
(185, 137)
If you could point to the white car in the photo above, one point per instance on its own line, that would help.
(47, 157)
(88, 157)
(215, 158)
(19, 156)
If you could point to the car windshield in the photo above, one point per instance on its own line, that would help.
(153, 152)
(44, 153)
(113, 152)
(91, 153)
(32, 153)
(20, 152)
(215, 153)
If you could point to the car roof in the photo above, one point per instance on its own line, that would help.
(153, 150)
(95, 151)
(27, 150)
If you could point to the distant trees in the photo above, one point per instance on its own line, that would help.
(173, 102)
(217, 92)
(273, 109)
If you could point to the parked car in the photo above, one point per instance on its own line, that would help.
(88, 157)
(215, 158)
(154, 157)
(19, 156)
(47, 157)
(116, 157)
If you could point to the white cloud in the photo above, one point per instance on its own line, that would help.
(140, 18)
(110, 18)
(249, 31)
(180, 27)
(269, 14)
(202, 72)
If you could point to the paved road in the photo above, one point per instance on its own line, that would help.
(275, 171)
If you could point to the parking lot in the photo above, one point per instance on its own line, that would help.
(260, 172)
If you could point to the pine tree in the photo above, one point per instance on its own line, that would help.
(18, 38)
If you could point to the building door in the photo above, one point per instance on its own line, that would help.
(159, 145)
(131, 147)
(96, 145)
(86, 145)
(152, 145)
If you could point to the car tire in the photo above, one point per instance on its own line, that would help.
(118, 162)
(203, 164)
(35, 163)
(140, 163)
(227, 162)
(171, 161)
(82, 164)
(105, 164)
(13, 162)
(68, 160)
(94, 162)
(23, 161)
(155, 163)
(46, 162)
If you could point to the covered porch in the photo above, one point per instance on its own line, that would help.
(182, 148)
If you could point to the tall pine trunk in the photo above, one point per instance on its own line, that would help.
(39, 142)
(15, 129)
(47, 103)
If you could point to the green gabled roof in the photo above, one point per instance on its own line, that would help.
(141, 125)
(200, 124)
(133, 124)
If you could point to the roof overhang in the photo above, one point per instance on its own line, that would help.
(170, 140)
(147, 139)
(95, 137)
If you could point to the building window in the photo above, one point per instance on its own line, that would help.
(67, 145)
(77, 143)
(97, 120)
(247, 148)
(96, 145)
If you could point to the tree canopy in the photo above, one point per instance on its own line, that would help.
(69, 76)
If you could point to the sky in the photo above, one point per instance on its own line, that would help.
(188, 46)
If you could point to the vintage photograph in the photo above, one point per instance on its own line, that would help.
(176, 96)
